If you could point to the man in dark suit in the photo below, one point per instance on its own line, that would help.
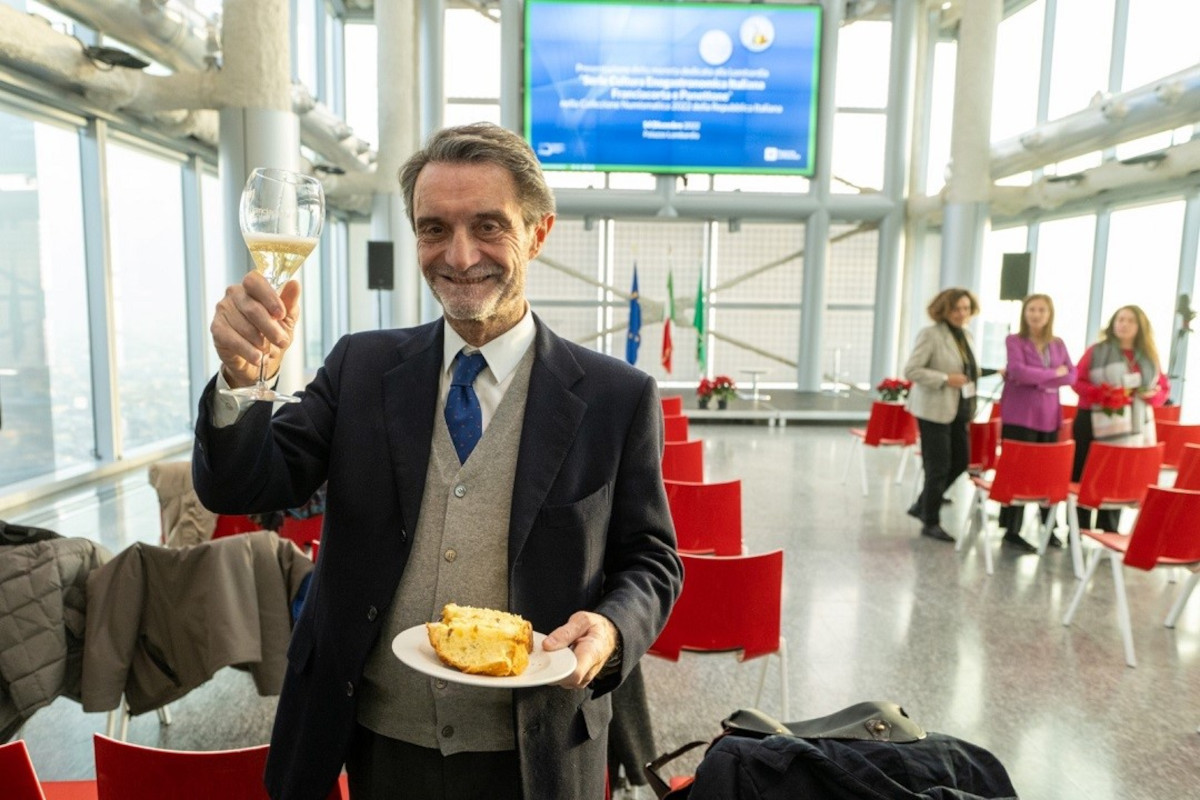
(558, 513)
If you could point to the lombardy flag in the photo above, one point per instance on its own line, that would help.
(668, 316)
(698, 324)
(635, 322)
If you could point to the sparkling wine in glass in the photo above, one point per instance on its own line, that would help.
(281, 214)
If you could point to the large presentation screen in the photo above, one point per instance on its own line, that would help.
(672, 87)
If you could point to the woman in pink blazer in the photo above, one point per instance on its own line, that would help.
(1038, 364)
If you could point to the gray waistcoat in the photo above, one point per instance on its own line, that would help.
(459, 555)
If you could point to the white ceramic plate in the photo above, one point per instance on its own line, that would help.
(413, 648)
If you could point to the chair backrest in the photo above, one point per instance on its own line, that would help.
(727, 603)
(1069, 413)
(675, 428)
(1167, 527)
(127, 771)
(1167, 413)
(1116, 474)
(1033, 471)
(233, 524)
(302, 531)
(684, 461)
(707, 516)
(17, 775)
(983, 442)
(890, 424)
(1174, 435)
(672, 405)
(1187, 474)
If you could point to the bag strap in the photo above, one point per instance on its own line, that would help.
(662, 789)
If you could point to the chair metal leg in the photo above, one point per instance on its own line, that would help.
(1046, 529)
(125, 721)
(1093, 563)
(164, 715)
(975, 519)
(856, 449)
(988, 565)
(903, 463)
(1073, 536)
(1118, 571)
(783, 681)
(1184, 593)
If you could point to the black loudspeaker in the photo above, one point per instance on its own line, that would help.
(380, 269)
(1014, 276)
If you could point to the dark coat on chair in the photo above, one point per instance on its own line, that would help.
(590, 529)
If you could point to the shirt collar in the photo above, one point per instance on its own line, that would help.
(502, 353)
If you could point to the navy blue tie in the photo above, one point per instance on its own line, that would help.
(464, 417)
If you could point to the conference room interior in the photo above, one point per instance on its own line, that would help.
(119, 232)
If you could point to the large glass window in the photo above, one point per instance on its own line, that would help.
(1018, 67)
(216, 276)
(46, 421)
(1143, 265)
(998, 318)
(1063, 270)
(1082, 49)
(941, 116)
(1161, 40)
(362, 88)
(146, 233)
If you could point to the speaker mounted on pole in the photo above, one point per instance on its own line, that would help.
(381, 270)
(1014, 276)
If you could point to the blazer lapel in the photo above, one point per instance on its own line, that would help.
(553, 414)
(410, 394)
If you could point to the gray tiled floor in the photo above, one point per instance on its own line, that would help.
(871, 611)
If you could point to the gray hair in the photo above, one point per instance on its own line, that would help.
(483, 143)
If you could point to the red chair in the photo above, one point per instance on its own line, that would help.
(302, 531)
(707, 516)
(19, 780)
(1174, 435)
(675, 428)
(728, 604)
(1114, 477)
(1187, 474)
(672, 405)
(232, 524)
(1166, 534)
(1167, 413)
(684, 461)
(889, 425)
(1026, 472)
(132, 772)
(984, 445)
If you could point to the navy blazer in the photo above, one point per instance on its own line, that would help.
(590, 529)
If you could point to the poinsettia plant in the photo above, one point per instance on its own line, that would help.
(1113, 399)
(724, 388)
(721, 387)
(893, 389)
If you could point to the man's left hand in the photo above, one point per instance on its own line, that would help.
(593, 637)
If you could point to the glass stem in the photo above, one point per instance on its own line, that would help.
(262, 371)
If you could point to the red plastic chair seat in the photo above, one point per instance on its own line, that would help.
(1187, 475)
(684, 461)
(1175, 436)
(1166, 534)
(1026, 472)
(675, 428)
(707, 516)
(19, 780)
(889, 425)
(983, 444)
(127, 771)
(1114, 477)
(302, 531)
(1167, 413)
(729, 603)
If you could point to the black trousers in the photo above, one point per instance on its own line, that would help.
(380, 768)
(1011, 517)
(1081, 429)
(945, 451)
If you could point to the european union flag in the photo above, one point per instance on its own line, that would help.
(635, 322)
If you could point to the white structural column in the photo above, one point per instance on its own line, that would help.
(398, 54)
(816, 228)
(969, 182)
(258, 127)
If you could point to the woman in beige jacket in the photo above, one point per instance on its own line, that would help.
(943, 371)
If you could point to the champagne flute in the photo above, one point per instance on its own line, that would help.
(281, 214)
